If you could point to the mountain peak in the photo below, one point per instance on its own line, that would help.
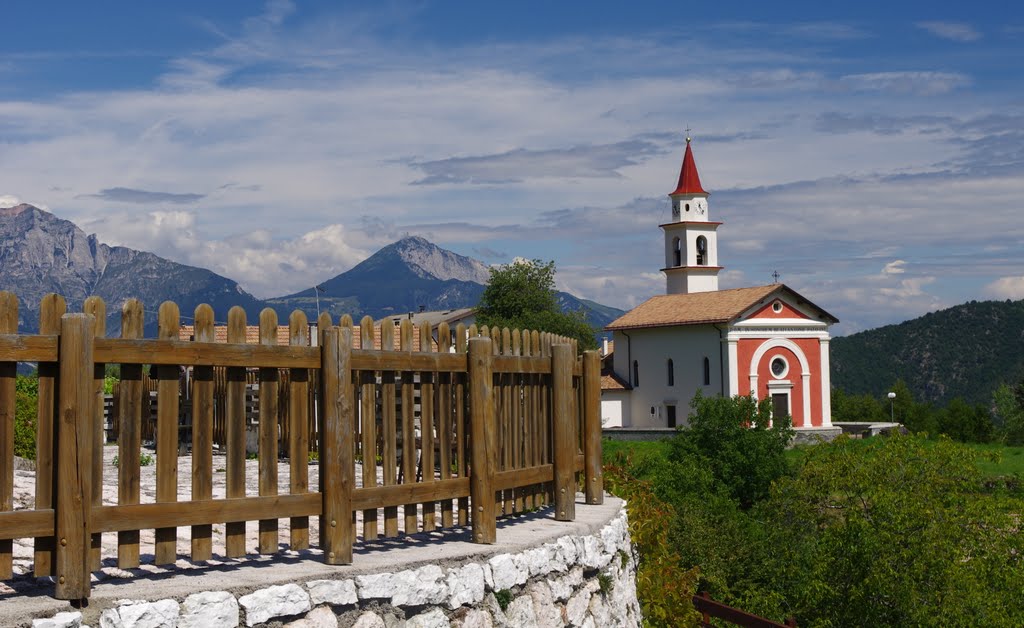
(17, 210)
(426, 259)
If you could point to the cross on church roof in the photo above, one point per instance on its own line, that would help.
(775, 276)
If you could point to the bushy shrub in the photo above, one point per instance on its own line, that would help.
(25, 425)
(664, 586)
(732, 438)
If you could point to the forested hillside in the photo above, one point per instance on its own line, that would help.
(964, 351)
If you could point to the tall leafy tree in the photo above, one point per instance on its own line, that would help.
(1009, 410)
(521, 295)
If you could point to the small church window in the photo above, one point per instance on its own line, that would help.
(636, 373)
(707, 371)
(687, 207)
(779, 366)
(677, 252)
(671, 373)
(702, 251)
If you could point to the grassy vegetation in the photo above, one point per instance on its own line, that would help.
(638, 450)
(1005, 460)
(997, 461)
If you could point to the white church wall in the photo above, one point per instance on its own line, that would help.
(613, 408)
(651, 349)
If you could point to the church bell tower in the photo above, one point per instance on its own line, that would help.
(691, 239)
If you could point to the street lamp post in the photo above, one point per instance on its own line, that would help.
(892, 414)
(317, 290)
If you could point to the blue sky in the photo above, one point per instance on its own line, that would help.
(870, 152)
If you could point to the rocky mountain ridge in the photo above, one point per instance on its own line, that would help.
(41, 253)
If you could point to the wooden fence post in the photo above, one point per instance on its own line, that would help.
(337, 462)
(8, 378)
(483, 440)
(592, 427)
(51, 309)
(202, 433)
(563, 431)
(234, 405)
(73, 506)
(298, 433)
(98, 309)
(165, 550)
(267, 542)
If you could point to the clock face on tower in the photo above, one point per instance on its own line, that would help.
(700, 208)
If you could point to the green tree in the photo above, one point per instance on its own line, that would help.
(1010, 414)
(857, 408)
(965, 423)
(521, 295)
(738, 442)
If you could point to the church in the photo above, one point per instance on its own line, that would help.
(765, 341)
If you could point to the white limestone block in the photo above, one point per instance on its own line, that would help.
(488, 576)
(378, 585)
(135, 614)
(576, 608)
(70, 619)
(507, 572)
(415, 587)
(547, 612)
(611, 535)
(277, 601)
(110, 619)
(476, 618)
(209, 609)
(539, 560)
(465, 585)
(592, 554)
(337, 592)
(562, 587)
(494, 609)
(520, 613)
(434, 618)
(369, 620)
(567, 550)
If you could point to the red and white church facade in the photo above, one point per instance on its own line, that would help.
(766, 341)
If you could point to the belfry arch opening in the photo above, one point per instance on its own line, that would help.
(702, 251)
(677, 252)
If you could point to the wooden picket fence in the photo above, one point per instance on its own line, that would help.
(506, 422)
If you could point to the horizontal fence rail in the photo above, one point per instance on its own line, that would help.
(473, 425)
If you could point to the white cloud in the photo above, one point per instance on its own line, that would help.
(1006, 288)
(924, 83)
(261, 262)
(954, 31)
(8, 200)
(895, 267)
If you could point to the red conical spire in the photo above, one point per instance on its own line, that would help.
(689, 180)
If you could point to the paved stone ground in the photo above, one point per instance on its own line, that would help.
(24, 497)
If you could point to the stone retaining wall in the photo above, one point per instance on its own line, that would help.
(574, 580)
